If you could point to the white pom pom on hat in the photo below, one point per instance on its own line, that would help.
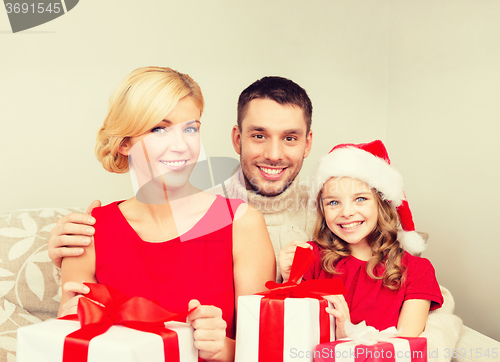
(370, 163)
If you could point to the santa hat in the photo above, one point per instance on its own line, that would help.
(369, 162)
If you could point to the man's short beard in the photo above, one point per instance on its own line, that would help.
(258, 190)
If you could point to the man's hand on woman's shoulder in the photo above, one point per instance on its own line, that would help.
(71, 232)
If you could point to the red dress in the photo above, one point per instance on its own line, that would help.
(368, 299)
(197, 265)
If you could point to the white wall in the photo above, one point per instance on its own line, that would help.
(420, 75)
(57, 78)
(443, 128)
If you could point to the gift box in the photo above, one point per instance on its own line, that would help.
(288, 317)
(398, 349)
(44, 342)
(371, 345)
(109, 326)
(299, 330)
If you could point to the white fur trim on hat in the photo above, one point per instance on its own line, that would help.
(411, 241)
(378, 174)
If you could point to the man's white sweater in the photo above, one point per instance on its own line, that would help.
(289, 216)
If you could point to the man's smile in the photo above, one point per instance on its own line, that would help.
(271, 171)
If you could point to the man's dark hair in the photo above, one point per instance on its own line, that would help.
(280, 90)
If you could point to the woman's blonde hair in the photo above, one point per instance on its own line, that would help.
(383, 241)
(141, 101)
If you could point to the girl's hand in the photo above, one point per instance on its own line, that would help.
(285, 257)
(340, 312)
(209, 330)
(73, 291)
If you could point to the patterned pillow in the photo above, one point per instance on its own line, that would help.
(11, 317)
(28, 290)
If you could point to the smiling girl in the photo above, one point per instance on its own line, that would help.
(358, 239)
(172, 243)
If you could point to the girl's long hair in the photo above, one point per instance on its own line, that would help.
(386, 250)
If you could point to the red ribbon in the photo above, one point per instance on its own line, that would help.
(272, 306)
(136, 313)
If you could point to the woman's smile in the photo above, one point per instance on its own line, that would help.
(175, 165)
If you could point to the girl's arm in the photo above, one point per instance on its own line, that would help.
(413, 317)
(253, 265)
(75, 271)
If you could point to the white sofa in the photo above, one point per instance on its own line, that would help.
(30, 294)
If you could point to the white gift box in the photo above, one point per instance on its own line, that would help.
(301, 328)
(44, 342)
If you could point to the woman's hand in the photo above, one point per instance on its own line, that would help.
(73, 291)
(209, 331)
(340, 312)
(285, 257)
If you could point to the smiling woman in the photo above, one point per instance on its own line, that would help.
(138, 106)
(175, 237)
(166, 154)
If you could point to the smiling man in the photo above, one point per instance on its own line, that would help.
(273, 137)
(273, 134)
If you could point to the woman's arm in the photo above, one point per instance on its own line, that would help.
(253, 255)
(74, 272)
(413, 317)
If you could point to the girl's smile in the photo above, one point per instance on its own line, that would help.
(352, 226)
(351, 211)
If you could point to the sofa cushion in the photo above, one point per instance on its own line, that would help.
(28, 290)
(25, 267)
(11, 317)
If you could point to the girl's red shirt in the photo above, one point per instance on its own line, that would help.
(368, 299)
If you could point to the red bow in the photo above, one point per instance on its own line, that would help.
(116, 308)
(316, 288)
(272, 311)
